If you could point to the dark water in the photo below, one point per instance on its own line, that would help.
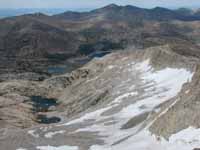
(47, 120)
(57, 70)
(99, 54)
(41, 104)
(68, 67)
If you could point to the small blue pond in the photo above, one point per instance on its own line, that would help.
(41, 104)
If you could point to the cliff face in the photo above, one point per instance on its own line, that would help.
(123, 100)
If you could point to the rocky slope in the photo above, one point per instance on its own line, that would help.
(125, 100)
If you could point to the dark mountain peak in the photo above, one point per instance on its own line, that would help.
(70, 12)
(131, 7)
(38, 14)
(112, 6)
(161, 9)
(70, 15)
(34, 15)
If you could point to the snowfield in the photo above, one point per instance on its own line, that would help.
(167, 83)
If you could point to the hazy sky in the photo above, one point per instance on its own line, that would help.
(75, 4)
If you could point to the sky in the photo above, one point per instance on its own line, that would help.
(82, 4)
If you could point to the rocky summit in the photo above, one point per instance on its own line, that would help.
(115, 78)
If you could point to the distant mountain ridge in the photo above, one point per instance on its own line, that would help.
(33, 42)
(59, 12)
(131, 12)
(10, 12)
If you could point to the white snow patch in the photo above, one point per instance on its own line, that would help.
(126, 95)
(32, 133)
(125, 58)
(187, 139)
(65, 147)
(92, 115)
(45, 128)
(111, 67)
(51, 134)
(187, 92)
(169, 77)
(143, 66)
(21, 149)
(141, 106)
(190, 135)
(132, 87)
